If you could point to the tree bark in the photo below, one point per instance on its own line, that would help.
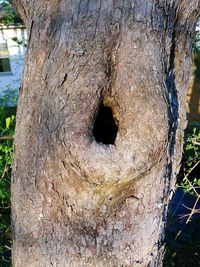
(78, 201)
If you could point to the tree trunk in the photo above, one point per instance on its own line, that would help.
(99, 130)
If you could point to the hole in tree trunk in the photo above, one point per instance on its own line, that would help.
(105, 128)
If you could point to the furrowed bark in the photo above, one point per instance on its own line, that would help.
(190, 10)
(78, 201)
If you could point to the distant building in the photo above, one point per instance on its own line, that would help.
(12, 52)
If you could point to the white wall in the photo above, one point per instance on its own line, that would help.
(10, 82)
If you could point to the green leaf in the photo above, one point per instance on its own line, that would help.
(8, 121)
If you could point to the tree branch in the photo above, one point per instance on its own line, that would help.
(7, 137)
(22, 8)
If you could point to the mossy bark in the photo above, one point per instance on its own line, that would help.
(75, 201)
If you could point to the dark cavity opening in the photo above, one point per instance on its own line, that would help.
(105, 128)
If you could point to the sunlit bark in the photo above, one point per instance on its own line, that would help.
(82, 196)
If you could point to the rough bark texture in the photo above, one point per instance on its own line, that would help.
(77, 202)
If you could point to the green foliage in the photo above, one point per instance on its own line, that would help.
(7, 14)
(189, 177)
(7, 125)
(8, 17)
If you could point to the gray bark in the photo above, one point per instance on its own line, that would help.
(75, 201)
